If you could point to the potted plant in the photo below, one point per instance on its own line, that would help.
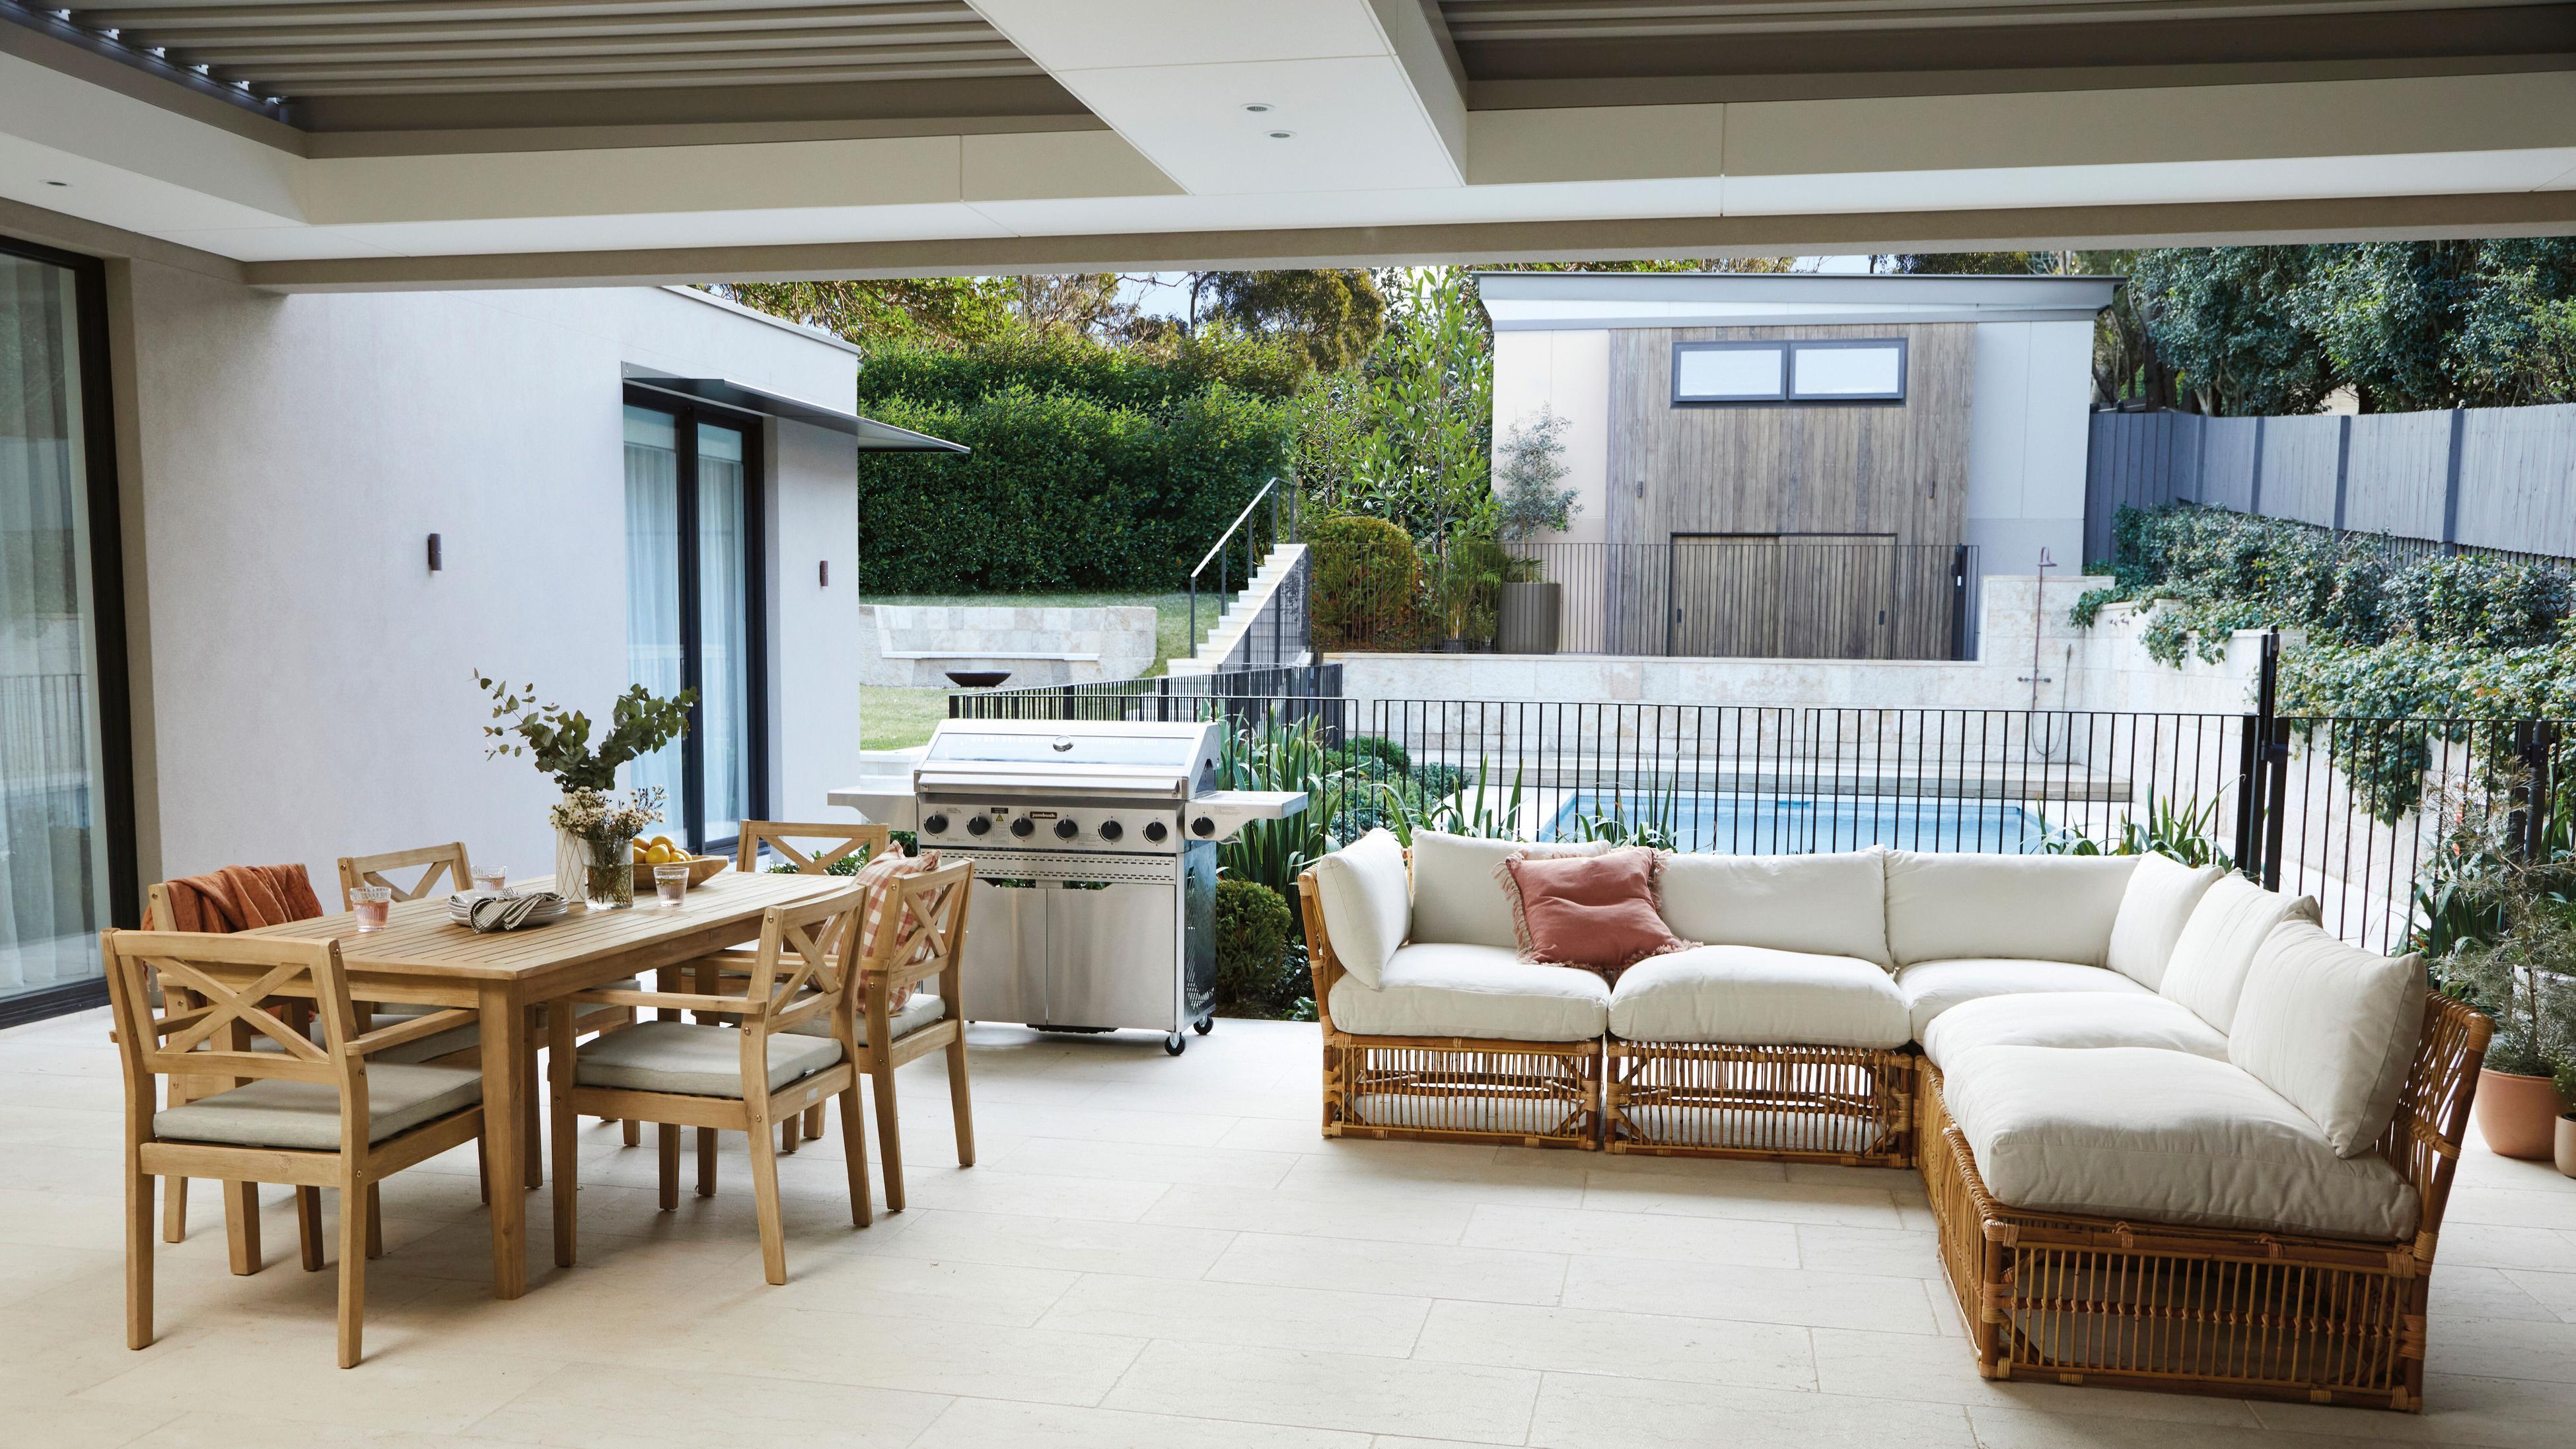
(1531, 496)
(558, 741)
(1465, 595)
(2521, 971)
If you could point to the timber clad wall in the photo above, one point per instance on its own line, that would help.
(2489, 478)
(1833, 474)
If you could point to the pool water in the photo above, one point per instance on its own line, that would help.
(1793, 825)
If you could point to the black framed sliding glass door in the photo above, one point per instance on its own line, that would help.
(693, 613)
(66, 836)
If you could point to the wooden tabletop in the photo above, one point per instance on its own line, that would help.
(422, 938)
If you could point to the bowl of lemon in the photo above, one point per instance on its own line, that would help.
(659, 850)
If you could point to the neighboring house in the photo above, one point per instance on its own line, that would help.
(1788, 465)
(222, 637)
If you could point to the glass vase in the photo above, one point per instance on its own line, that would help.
(608, 882)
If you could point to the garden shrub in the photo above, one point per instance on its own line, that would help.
(1062, 490)
(1367, 577)
(1148, 378)
(1252, 964)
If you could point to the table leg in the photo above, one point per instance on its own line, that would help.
(505, 1043)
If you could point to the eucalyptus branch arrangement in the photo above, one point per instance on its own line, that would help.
(557, 740)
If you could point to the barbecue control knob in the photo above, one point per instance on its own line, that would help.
(1024, 827)
(1111, 830)
(1155, 830)
(936, 825)
(1066, 830)
(1203, 827)
(979, 825)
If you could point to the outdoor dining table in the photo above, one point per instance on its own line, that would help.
(422, 956)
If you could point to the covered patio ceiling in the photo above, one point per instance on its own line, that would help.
(401, 143)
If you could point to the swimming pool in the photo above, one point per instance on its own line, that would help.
(1789, 825)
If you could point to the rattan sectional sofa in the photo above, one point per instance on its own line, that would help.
(2173, 1134)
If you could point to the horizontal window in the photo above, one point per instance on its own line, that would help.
(1860, 370)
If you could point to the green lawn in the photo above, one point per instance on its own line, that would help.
(895, 719)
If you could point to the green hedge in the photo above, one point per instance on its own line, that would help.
(1149, 378)
(1062, 491)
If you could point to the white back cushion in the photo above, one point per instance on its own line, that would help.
(2044, 907)
(1457, 899)
(2332, 1028)
(1822, 905)
(2217, 945)
(2154, 910)
(1367, 907)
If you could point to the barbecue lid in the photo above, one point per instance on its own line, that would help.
(1122, 755)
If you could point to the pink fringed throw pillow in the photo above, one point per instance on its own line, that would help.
(1593, 911)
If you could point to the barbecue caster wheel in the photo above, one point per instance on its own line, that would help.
(1204, 1025)
(1175, 1044)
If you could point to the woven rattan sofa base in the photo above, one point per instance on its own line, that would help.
(1847, 1105)
(2071, 1298)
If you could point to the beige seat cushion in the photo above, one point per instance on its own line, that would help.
(1933, 987)
(1457, 900)
(2331, 1027)
(2217, 945)
(691, 1060)
(1824, 905)
(1942, 907)
(1367, 902)
(2131, 1132)
(306, 1115)
(2071, 1019)
(1752, 995)
(922, 1010)
(2153, 911)
(1478, 991)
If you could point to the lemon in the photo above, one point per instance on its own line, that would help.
(663, 841)
(661, 854)
(643, 853)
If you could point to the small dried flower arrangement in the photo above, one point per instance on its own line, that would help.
(594, 815)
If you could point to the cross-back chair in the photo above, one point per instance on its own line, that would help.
(813, 849)
(741, 1078)
(311, 1114)
(435, 863)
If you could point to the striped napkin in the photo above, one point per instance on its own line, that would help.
(509, 913)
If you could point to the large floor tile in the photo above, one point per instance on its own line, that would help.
(1808, 1297)
(1631, 1345)
(1941, 1370)
(420, 1380)
(1253, 1314)
(1488, 1274)
(1580, 1411)
(1781, 1202)
(1146, 1250)
(1634, 1235)
(1331, 1391)
(1383, 1217)
(982, 1423)
(670, 1406)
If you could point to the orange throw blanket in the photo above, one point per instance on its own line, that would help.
(238, 898)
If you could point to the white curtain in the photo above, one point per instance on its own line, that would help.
(723, 603)
(53, 873)
(653, 643)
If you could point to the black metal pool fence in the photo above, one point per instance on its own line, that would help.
(2348, 810)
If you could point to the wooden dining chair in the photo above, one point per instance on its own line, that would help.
(739, 1078)
(812, 849)
(311, 1114)
(920, 938)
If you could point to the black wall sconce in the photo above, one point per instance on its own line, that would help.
(437, 560)
(823, 573)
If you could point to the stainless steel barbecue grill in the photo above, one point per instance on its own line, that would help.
(1094, 845)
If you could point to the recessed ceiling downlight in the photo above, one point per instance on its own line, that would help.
(1283, 135)
(1258, 108)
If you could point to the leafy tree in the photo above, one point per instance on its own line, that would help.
(1408, 438)
(1530, 491)
(2235, 326)
(1335, 316)
(2418, 325)
(928, 311)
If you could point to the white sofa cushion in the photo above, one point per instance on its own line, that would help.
(1933, 987)
(2071, 1019)
(1366, 901)
(1456, 898)
(2217, 945)
(2044, 907)
(1824, 905)
(1755, 995)
(2133, 1132)
(2153, 911)
(1446, 989)
(2332, 1028)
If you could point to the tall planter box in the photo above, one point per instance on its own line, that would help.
(1530, 615)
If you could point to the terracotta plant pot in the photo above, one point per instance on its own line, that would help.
(2567, 1144)
(2518, 1115)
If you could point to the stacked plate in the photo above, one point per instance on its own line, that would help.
(460, 907)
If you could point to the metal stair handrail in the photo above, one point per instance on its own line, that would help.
(1270, 492)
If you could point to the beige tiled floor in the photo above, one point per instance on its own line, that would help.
(1155, 1253)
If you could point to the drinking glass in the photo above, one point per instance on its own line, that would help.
(491, 879)
(372, 904)
(671, 882)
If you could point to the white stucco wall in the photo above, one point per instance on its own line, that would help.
(304, 682)
(1567, 373)
(2027, 435)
